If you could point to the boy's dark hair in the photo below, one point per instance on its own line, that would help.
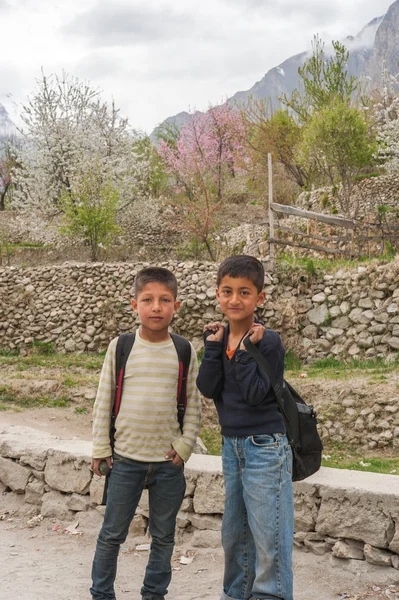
(155, 275)
(242, 266)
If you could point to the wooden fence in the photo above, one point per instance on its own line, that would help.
(359, 230)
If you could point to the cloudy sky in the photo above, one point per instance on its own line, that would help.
(159, 57)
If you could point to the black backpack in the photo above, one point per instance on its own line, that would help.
(300, 421)
(124, 346)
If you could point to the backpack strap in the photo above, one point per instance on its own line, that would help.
(183, 349)
(124, 346)
(285, 401)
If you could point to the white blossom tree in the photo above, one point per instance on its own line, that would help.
(72, 140)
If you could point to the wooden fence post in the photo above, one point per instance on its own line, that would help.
(272, 248)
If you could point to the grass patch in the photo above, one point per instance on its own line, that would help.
(29, 245)
(292, 361)
(331, 368)
(43, 348)
(8, 353)
(63, 361)
(70, 382)
(325, 265)
(212, 439)
(81, 410)
(10, 400)
(339, 458)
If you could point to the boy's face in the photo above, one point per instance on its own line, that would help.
(155, 306)
(238, 298)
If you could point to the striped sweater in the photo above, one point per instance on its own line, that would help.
(147, 425)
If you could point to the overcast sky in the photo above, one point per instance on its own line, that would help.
(159, 57)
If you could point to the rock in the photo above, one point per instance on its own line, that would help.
(209, 494)
(213, 522)
(96, 490)
(341, 323)
(343, 550)
(34, 492)
(318, 548)
(13, 475)
(310, 331)
(55, 505)
(318, 315)
(204, 538)
(394, 343)
(319, 298)
(77, 502)
(376, 556)
(200, 447)
(67, 473)
(138, 526)
(70, 346)
(354, 515)
(394, 545)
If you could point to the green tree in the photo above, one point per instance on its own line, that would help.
(277, 133)
(338, 140)
(323, 79)
(90, 208)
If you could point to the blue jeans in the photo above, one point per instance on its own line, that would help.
(166, 487)
(258, 521)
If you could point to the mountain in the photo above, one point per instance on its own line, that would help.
(7, 127)
(376, 43)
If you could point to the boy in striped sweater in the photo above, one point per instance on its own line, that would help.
(150, 450)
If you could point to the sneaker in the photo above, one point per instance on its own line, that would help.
(151, 597)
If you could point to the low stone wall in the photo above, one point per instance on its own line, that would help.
(80, 307)
(351, 514)
(367, 195)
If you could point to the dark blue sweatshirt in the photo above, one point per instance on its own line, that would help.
(243, 395)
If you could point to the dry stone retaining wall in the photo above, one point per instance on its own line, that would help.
(351, 514)
(367, 195)
(80, 307)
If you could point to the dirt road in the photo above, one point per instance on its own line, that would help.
(44, 564)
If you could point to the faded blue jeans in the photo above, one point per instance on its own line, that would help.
(166, 487)
(258, 521)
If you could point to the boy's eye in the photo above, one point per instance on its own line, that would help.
(146, 299)
(165, 300)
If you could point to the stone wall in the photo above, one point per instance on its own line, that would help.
(367, 195)
(351, 514)
(80, 307)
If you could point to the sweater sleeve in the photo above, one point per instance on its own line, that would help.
(253, 381)
(184, 445)
(211, 377)
(103, 405)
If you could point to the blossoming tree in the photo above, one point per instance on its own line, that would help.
(203, 161)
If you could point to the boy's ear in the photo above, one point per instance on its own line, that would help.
(176, 305)
(217, 293)
(134, 305)
(261, 298)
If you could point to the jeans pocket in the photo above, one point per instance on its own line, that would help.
(264, 441)
(288, 456)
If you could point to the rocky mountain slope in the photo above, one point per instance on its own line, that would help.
(376, 43)
(7, 127)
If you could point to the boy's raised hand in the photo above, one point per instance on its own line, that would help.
(255, 334)
(217, 330)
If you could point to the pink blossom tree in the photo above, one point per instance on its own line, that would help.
(203, 161)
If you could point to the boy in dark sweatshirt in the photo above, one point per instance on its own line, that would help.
(258, 521)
